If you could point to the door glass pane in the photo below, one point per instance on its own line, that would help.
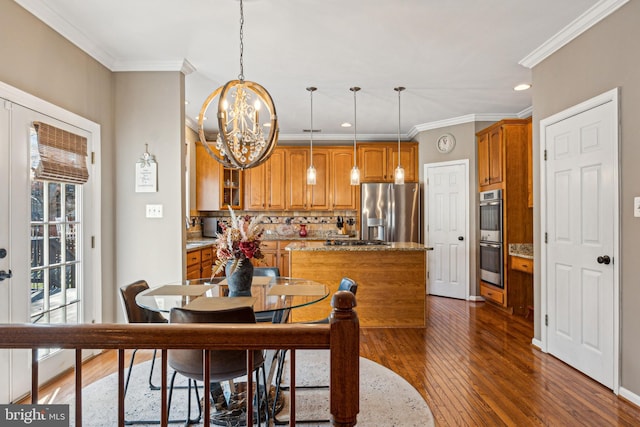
(55, 262)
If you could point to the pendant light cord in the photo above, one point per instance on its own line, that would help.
(399, 128)
(355, 123)
(241, 75)
(311, 130)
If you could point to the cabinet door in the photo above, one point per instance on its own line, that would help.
(275, 181)
(483, 159)
(231, 188)
(318, 196)
(343, 193)
(408, 161)
(495, 156)
(298, 162)
(255, 187)
(529, 166)
(207, 180)
(372, 161)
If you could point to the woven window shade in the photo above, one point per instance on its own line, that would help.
(61, 156)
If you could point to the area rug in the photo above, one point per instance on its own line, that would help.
(386, 399)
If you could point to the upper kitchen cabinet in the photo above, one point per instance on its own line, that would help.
(265, 187)
(207, 180)
(319, 194)
(296, 178)
(216, 186)
(377, 161)
(343, 194)
(530, 163)
(492, 146)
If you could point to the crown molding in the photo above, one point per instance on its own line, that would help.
(181, 65)
(588, 19)
(525, 113)
(457, 121)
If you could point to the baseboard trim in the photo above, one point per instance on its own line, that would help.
(476, 298)
(630, 396)
(537, 343)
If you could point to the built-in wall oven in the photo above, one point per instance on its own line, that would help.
(491, 255)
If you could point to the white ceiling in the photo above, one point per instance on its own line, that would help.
(458, 59)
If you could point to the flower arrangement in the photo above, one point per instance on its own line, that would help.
(240, 240)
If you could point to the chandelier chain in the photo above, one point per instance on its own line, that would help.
(241, 75)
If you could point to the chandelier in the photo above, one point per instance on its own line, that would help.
(311, 171)
(241, 141)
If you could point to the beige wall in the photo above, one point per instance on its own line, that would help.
(149, 109)
(132, 109)
(601, 59)
(465, 148)
(37, 60)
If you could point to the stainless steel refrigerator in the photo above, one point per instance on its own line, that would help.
(390, 212)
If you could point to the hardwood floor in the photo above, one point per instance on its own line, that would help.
(473, 364)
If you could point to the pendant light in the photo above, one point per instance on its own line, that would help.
(311, 172)
(398, 175)
(241, 143)
(355, 172)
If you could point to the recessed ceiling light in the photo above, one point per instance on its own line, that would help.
(522, 86)
(267, 124)
(346, 125)
(186, 102)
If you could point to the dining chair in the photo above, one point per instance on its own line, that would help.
(133, 313)
(225, 365)
(346, 284)
(279, 316)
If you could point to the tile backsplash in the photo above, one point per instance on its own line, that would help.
(287, 224)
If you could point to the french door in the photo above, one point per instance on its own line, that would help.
(46, 229)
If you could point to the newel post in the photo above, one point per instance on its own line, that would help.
(345, 360)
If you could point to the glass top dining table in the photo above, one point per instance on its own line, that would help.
(268, 295)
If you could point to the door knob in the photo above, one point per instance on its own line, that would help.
(460, 238)
(5, 275)
(604, 259)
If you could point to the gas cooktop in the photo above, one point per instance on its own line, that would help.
(349, 242)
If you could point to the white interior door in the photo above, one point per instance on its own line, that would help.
(581, 207)
(448, 228)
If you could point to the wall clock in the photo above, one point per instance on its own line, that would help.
(446, 143)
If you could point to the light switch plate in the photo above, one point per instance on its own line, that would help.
(154, 211)
(636, 207)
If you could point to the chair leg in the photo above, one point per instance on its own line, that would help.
(188, 420)
(153, 362)
(126, 384)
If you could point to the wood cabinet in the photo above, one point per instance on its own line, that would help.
(377, 161)
(490, 158)
(296, 178)
(274, 256)
(318, 195)
(207, 180)
(199, 263)
(265, 185)
(300, 195)
(343, 194)
(503, 164)
(522, 264)
(530, 164)
(216, 186)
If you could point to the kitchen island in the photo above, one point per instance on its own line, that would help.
(391, 280)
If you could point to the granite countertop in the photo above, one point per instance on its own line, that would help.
(522, 250)
(390, 246)
(203, 242)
